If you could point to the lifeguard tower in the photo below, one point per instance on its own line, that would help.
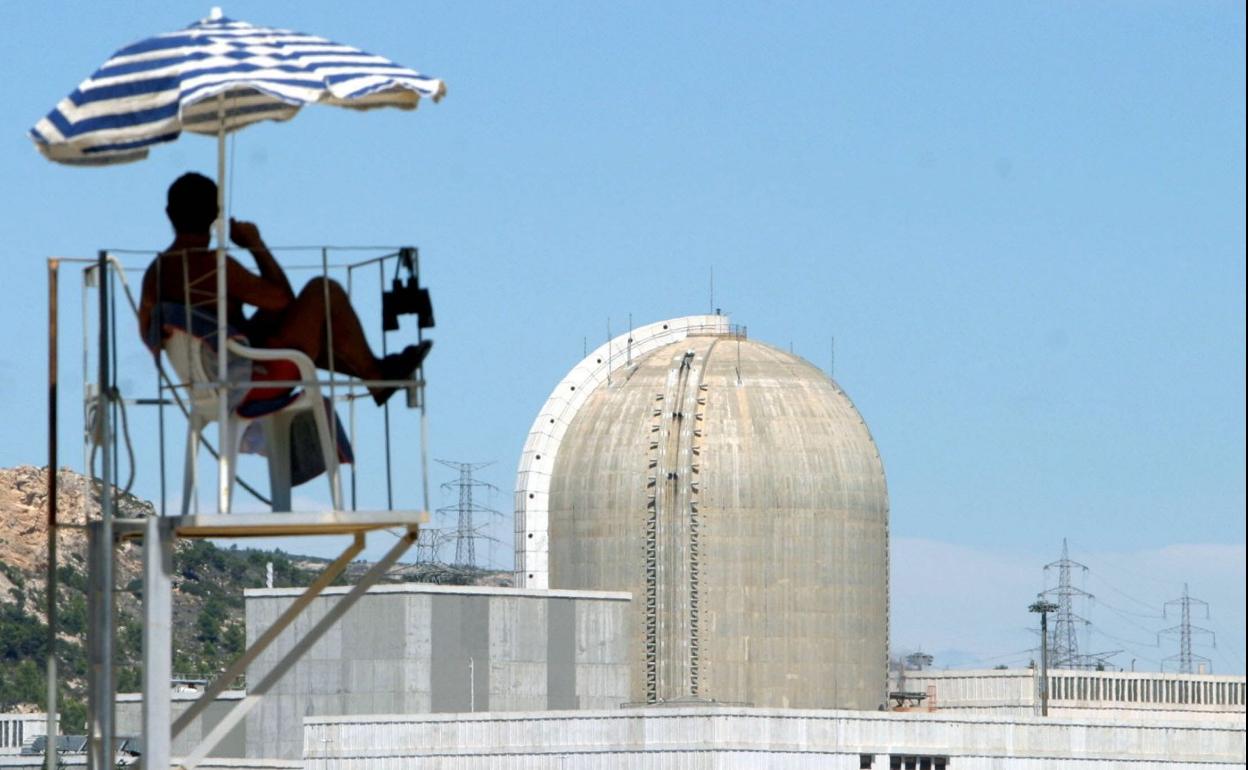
(135, 402)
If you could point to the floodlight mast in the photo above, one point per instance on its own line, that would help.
(1044, 607)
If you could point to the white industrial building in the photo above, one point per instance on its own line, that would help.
(731, 738)
(1080, 694)
(553, 689)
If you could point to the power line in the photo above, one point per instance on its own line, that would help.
(1129, 613)
(1009, 656)
(1230, 658)
(1127, 619)
(1135, 654)
(1136, 576)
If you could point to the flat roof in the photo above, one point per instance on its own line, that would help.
(438, 588)
(652, 713)
(996, 673)
(184, 695)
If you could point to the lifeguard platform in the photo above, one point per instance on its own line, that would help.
(122, 416)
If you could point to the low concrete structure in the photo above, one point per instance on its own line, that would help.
(129, 720)
(419, 648)
(789, 739)
(16, 730)
(1117, 695)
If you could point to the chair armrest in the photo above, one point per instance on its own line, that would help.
(307, 369)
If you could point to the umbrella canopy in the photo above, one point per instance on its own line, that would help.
(213, 77)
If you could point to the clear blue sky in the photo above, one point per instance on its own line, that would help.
(1022, 223)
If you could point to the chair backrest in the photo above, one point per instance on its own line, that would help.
(191, 360)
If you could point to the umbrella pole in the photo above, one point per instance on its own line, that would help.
(53, 341)
(223, 408)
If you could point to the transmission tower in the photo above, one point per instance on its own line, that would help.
(465, 511)
(429, 544)
(1063, 637)
(1185, 629)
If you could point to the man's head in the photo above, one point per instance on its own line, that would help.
(192, 206)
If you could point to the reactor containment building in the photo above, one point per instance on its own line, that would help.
(736, 492)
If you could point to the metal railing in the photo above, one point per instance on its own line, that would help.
(353, 274)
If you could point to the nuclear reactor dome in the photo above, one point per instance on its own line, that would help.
(736, 492)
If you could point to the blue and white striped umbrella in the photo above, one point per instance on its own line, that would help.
(214, 77)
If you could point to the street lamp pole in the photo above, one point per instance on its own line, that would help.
(1044, 608)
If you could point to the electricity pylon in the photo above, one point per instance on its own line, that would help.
(465, 510)
(1063, 638)
(1185, 629)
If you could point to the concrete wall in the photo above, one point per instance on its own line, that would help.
(129, 716)
(417, 648)
(1119, 694)
(680, 738)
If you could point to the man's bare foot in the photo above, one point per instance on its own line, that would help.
(399, 366)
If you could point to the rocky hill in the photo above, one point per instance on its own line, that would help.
(207, 594)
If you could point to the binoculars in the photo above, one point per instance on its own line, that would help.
(406, 297)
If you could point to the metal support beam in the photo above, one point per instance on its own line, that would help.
(157, 640)
(101, 749)
(50, 760)
(239, 666)
(256, 693)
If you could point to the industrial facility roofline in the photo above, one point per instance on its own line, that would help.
(982, 673)
(192, 695)
(646, 713)
(431, 588)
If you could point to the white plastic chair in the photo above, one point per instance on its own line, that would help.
(186, 355)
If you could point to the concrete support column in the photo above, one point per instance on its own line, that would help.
(100, 693)
(157, 641)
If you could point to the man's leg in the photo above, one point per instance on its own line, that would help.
(303, 327)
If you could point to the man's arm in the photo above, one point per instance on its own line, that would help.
(244, 286)
(247, 235)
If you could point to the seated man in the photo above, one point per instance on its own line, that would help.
(283, 319)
